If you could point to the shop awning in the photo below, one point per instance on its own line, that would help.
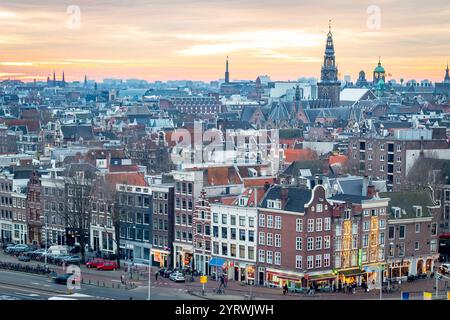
(352, 272)
(325, 276)
(217, 262)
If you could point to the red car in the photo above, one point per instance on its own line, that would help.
(94, 263)
(107, 265)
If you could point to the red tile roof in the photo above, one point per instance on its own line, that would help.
(130, 178)
(340, 158)
(291, 155)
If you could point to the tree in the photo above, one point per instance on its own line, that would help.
(428, 170)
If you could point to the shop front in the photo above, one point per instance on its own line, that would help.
(352, 276)
(218, 266)
(241, 271)
(320, 281)
(398, 270)
(183, 256)
(278, 278)
(160, 257)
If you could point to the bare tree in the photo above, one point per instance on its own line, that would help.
(427, 170)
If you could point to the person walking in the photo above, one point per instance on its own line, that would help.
(156, 275)
(225, 281)
(285, 288)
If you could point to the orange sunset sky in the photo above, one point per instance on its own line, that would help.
(174, 39)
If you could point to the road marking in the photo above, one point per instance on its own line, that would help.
(27, 294)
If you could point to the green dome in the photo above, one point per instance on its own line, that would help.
(379, 68)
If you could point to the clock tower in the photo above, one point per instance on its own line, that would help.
(329, 86)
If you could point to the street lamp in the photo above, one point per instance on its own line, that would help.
(46, 238)
(391, 246)
(149, 271)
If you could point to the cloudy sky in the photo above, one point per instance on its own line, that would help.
(190, 39)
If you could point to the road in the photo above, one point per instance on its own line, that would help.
(18, 285)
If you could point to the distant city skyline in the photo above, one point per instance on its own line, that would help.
(176, 40)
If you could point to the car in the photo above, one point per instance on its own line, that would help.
(168, 272)
(444, 268)
(71, 260)
(63, 278)
(94, 263)
(177, 277)
(59, 259)
(18, 248)
(24, 257)
(107, 265)
(7, 245)
(36, 254)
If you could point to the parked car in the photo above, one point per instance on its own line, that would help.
(6, 245)
(177, 277)
(71, 260)
(168, 272)
(60, 259)
(37, 254)
(444, 268)
(94, 263)
(16, 249)
(63, 278)
(107, 265)
(24, 257)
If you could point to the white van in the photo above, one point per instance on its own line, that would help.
(57, 250)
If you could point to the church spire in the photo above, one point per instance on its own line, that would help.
(85, 80)
(54, 78)
(447, 75)
(63, 79)
(227, 73)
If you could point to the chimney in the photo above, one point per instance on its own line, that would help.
(371, 192)
(266, 186)
(284, 196)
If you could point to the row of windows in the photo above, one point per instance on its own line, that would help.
(183, 235)
(138, 234)
(183, 204)
(402, 230)
(243, 234)
(135, 217)
(185, 219)
(269, 257)
(243, 221)
(268, 239)
(270, 221)
(234, 250)
(134, 200)
(183, 187)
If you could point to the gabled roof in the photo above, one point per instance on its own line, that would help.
(77, 131)
(297, 198)
(406, 200)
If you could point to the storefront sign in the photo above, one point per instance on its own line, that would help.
(360, 258)
(427, 296)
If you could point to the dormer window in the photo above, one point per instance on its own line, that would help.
(347, 214)
(397, 212)
(418, 210)
(274, 204)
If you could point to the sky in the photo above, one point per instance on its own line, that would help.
(190, 39)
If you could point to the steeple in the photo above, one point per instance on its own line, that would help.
(54, 78)
(85, 80)
(63, 79)
(227, 73)
(447, 75)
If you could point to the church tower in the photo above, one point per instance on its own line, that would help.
(227, 73)
(329, 85)
(447, 76)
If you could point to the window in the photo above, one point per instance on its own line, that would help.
(338, 230)
(366, 225)
(401, 232)
(215, 217)
(326, 260)
(224, 249)
(241, 221)
(381, 238)
(233, 250)
(433, 245)
(233, 220)
(381, 146)
(381, 157)
(261, 255)
(269, 240)
(416, 245)
(298, 262)
(401, 249)
(355, 242)
(299, 225)
(262, 220)
(242, 252)
(298, 243)
(251, 222)
(310, 244)
(347, 214)
(382, 224)
(326, 242)
(224, 218)
(319, 207)
(269, 257)
(242, 234)
(417, 227)
(251, 236)
(318, 243)
(365, 242)
(310, 225)
(278, 258)
(269, 221)
(319, 224)
(277, 222)
(381, 167)
(215, 231)
(354, 228)
(318, 261)
(434, 229)
(309, 262)
(278, 240)
(261, 239)
(327, 224)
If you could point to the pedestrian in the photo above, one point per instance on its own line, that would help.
(225, 281)
(285, 289)
(122, 279)
(156, 275)
(222, 281)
